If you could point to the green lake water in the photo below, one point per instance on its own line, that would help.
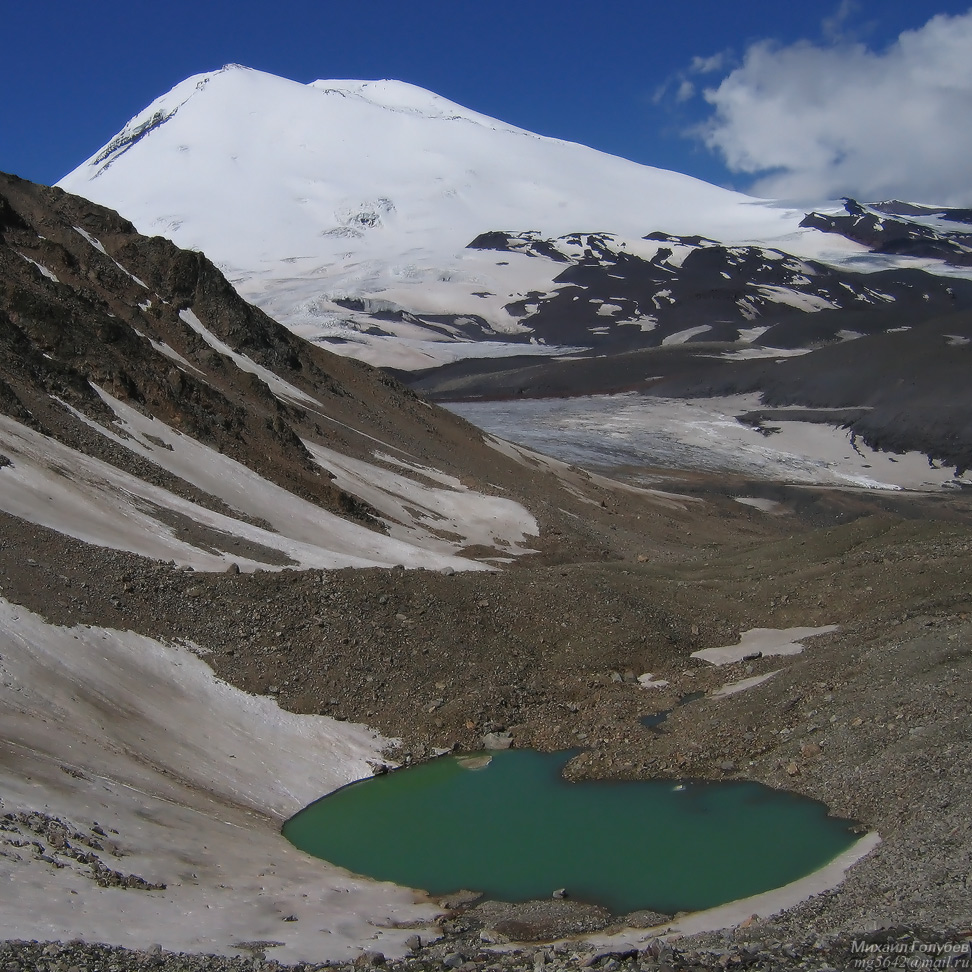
(515, 830)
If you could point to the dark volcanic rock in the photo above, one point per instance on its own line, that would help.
(873, 228)
(696, 289)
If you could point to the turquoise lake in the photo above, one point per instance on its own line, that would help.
(515, 830)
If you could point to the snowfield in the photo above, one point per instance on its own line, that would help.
(190, 780)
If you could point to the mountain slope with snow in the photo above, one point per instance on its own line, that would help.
(156, 430)
(144, 406)
(310, 195)
(389, 224)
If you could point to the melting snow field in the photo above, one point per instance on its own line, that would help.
(55, 486)
(765, 642)
(196, 777)
(701, 434)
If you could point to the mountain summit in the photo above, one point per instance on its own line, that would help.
(319, 166)
(309, 196)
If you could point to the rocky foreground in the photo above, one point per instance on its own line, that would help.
(892, 948)
(871, 718)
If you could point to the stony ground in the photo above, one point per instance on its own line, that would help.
(890, 948)
(873, 718)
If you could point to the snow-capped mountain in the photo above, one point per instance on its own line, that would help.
(389, 224)
(346, 208)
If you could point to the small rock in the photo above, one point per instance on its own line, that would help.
(560, 893)
(369, 958)
(460, 899)
(497, 740)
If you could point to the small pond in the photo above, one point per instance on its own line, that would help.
(509, 825)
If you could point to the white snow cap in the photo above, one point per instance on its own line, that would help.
(226, 151)
(305, 194)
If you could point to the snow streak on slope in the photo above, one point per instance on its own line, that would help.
(307, 193)
(58, 487)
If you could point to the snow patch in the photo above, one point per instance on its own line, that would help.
(648, 681)
(680, 337)
(195, 776)
(97, 245)
(762, 641)
(733, 688)
(432, 517)
(277, 385)
(809, 303)
(40, 266)
(758, 503)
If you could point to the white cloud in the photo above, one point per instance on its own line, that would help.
(707, 65)
(833, 27)
(685, 92)
(826, 121)
(680, 87)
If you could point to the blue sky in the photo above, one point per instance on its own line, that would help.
(793, 87)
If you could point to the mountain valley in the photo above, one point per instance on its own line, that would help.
(239, 570)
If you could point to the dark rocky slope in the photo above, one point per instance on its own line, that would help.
(85, 301)
(876, 227)
(609, 299)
